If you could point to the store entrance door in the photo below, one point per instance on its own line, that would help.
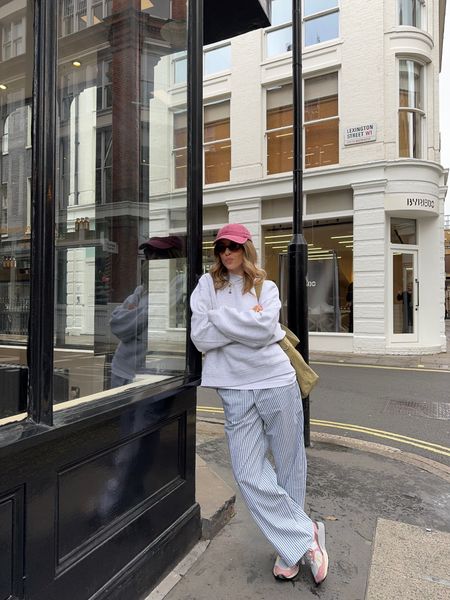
(405, 296)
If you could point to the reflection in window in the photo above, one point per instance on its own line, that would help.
(330, 273)
(403, 231)
(13, 37)
(217, 60)
(321, 20)
(15, 200)
(180, 70)
(411, 109)
(279, 121)
(180, 148)
(321, 121)
(279, 41)
(279, 36)
(217, 142)
(120, 270)
(410, 12)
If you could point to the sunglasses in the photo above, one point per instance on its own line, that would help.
(220, 248)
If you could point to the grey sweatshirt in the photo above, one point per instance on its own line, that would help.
(240, 345)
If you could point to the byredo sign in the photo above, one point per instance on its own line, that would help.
(414, 204)
(360, 134)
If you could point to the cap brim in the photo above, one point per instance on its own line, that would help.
(233, 238)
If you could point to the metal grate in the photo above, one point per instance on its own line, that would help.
(430, 410)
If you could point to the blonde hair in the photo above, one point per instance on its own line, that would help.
(252, 273)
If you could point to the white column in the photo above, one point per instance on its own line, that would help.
(369, 268)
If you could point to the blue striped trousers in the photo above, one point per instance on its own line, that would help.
(256, 421)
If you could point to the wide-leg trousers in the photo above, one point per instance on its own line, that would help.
(256, 421)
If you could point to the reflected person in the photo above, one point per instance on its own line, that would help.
(129, 321)
(406, 297)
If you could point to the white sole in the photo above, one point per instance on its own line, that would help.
(321, 537)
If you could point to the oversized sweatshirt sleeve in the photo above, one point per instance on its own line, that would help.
(203, 333)
(254, 329)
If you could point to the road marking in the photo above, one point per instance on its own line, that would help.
(359, 366)
(379, 433)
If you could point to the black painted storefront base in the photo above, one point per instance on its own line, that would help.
(105, 501)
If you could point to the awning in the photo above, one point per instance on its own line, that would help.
(223, 20)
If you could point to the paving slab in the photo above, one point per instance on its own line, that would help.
(350, 490)
(409, 562)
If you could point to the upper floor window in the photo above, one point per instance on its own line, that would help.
(321, 21)
(279, 129)
(410, 12)
(217, 142)
(321, 121)
(279, 36)
(217, 60)
(13, 38)
(180, 148)
(180, 70)
(79, 14)
(411, 109)
(216, 147)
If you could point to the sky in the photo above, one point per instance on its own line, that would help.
(445, 102)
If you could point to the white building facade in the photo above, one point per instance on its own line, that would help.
(374, 188)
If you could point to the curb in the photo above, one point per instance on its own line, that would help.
(426, 464)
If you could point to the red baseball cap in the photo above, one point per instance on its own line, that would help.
(234, 232)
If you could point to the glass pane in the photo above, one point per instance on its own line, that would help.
(410, 12)
(121, 269)
(314, 6)
(281, 11)
(15, 205)
(217, 60)
(279, 41)
(180, 157)
(403, 231)
(180, 70)
(322, 144)
(321, 108)
(403, 288)
(411, 92)
(280, 151)
(280, 117)
(218, 162)
(322, 29)
(330, 273)
(410, 134)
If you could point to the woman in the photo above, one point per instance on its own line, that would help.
(238, 333)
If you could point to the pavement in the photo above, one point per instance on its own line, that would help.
(386, 512)
(440, 361)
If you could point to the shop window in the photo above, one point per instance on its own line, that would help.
(217, 60)
(321, 121)
(410, 12)
(330, 273)
(15, 201)
(279, 131)
(119, 266)
(279, 36)
(411, 109)
(217, 142)
(13, 38)
(321, 21)
(403, 231)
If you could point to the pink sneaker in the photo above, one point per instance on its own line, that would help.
(282, 571)
(317, 554)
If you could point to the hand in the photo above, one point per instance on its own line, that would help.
(257, 308)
